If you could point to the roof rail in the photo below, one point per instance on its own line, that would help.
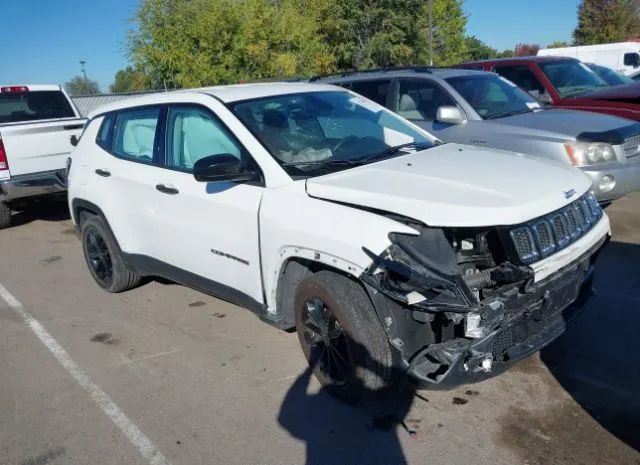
(417, 69)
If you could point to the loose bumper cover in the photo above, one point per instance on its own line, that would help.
(535, 319)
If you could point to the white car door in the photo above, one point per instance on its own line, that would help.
(209, 229)
(123, 174)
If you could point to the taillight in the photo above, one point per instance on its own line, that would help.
(4, 163)
(14, 89)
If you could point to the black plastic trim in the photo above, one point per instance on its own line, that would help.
(148, 266)
(614, 136)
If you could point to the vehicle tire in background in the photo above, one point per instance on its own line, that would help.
(5, 216)
(341, 337)
(104, 259)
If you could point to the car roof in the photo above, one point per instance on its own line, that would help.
(366, 75)
(536, 59)
(226, 94)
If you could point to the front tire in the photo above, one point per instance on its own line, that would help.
(5, 216)
(342, 337)
(104, 259)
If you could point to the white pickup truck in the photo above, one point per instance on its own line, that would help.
(36, 126)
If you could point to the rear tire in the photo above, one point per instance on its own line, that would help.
(104, 259)
(342, 337)
(5, 216)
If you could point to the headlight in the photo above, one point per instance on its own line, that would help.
(589, 153)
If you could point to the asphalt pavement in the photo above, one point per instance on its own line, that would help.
(166, 375)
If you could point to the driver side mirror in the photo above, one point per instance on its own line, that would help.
(450, 115)
(223, 167)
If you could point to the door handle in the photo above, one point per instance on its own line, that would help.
(70, 127)
(167, 189)
(103, 173)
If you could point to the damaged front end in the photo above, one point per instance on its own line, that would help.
(459, 305)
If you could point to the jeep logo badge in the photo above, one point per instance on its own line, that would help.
(570, 193)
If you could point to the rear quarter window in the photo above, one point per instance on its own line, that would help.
(105, 133)
(34, 106)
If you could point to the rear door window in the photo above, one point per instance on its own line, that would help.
(377, 90)
(135, 134)
(522, 76)
(34, 106)
(419, 99)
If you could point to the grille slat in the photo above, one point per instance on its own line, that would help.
(551, 233)
(631, 147)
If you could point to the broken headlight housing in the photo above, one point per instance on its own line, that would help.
(443, 270)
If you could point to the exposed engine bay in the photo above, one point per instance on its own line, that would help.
(456, 302)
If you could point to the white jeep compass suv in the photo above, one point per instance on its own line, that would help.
(315, 208)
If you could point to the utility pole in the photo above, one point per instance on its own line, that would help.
(430, 32)
(84, 73)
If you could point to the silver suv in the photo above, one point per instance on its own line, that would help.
(480, 108)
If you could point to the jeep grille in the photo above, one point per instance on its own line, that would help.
(551, 233)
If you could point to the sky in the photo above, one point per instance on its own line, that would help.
(503, 24)
(44, 40)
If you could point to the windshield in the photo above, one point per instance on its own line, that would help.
(571, 77)
(33, 106)
(492, 96)
(314, 133)
(610, 76)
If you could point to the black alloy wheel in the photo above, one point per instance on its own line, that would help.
(326, 342)
(99, 257)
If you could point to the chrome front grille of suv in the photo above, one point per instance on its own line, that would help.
(551, 233)
(631, 147)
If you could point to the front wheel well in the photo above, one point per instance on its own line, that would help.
(294, 271)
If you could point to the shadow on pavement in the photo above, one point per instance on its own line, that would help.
(335, 432)
(45, 210)
(597, 360)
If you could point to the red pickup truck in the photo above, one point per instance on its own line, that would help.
(565, 83)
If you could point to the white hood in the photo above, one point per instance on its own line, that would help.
(457, 185)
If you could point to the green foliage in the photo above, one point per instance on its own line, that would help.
(478, 50)
(190, 43)
(605, 21)
(78, 85)
(128, 80)
(505, 54)
(558, 44)
(380, 33)
(449, 21)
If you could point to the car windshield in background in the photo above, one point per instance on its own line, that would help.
(34, 106)
(571, 77)
(610, 76)
(492, 96)
(319, 132)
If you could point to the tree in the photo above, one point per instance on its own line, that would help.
(187, 43)
(524, 50)
(78, 85)
(127, 80)
(380, 33)
(478, 50)
(505, 54)
(605, 21)
(190, 43)
(558, 44)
